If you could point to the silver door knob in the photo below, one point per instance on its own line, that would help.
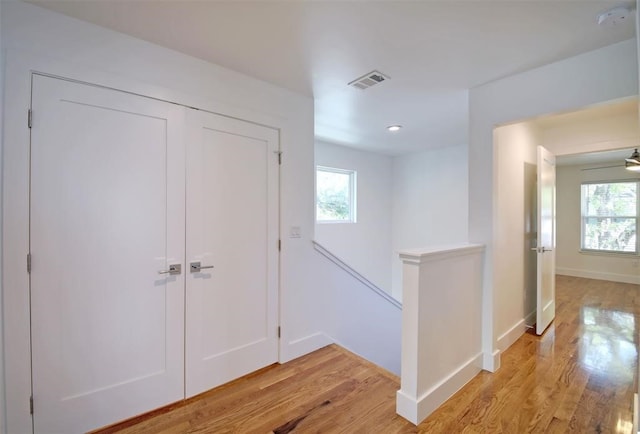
(195, 267)
(173, 269)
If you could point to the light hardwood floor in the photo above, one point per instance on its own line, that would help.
(578, 377)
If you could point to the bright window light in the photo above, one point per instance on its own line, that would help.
(335, 195)
(610, 217)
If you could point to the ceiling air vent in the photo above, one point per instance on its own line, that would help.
(368, 80)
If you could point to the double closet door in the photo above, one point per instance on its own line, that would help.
(153, 242)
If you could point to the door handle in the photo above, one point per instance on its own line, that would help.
(195, 267)
(541, 249)
(173, 269)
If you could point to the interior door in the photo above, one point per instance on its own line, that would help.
(107, 215)
(546, 241)
(232, 249)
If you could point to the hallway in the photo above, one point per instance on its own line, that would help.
(576, 378)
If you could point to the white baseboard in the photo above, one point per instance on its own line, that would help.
(299, 347)
(530, 319)
(512, 335)
(390, 363)
(416, 409)
(491, 361)
(600, 275)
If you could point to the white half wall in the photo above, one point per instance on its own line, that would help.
(366, 244)
(594, 77)
(569, 259)
(441, 319)
(429, 203)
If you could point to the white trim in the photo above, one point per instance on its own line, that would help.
(419, 256)
(530, 319)
(615, 254)
(299, 347)
(415, 411)
(340, 263)
(491, 361)
(600, 275)
(512, 335)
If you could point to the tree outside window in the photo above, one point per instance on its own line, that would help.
(335, 195)
(610, 217)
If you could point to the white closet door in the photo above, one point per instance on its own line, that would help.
(107, 213)
(232, 225)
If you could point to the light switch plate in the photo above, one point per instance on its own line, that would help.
(294, 232)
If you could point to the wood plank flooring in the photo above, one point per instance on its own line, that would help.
(577, 378)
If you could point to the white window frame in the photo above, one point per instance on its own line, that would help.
(352, 194)
(584, 217)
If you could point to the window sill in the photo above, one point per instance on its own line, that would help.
(629, 255)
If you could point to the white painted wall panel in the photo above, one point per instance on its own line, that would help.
(515, 155)
(357, 317)
(429, 200)
(366, 244)
(600, 134)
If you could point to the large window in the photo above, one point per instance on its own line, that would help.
(335, 195)
(610, 216)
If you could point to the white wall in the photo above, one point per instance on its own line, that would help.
(36, 39)
(356, 317)
(515, 158)
(319, 303)
(601, 75)
(366, 244)
(430, 199)
(569, 259)
(603, 133)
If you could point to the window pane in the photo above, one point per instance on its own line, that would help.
(611, 199)
(612, 234)
(333, 196)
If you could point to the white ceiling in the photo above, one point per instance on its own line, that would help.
(434, 51)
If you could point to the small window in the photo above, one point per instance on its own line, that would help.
(335, 195)
(610, 217)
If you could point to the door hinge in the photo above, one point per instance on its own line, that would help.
(30, 118)
(279, 332)
(28, 262)
(31, 404)
(279, 245)
(279, 157)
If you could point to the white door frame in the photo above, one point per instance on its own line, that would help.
(15, 232)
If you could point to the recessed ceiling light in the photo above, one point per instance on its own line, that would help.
(394, 128)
